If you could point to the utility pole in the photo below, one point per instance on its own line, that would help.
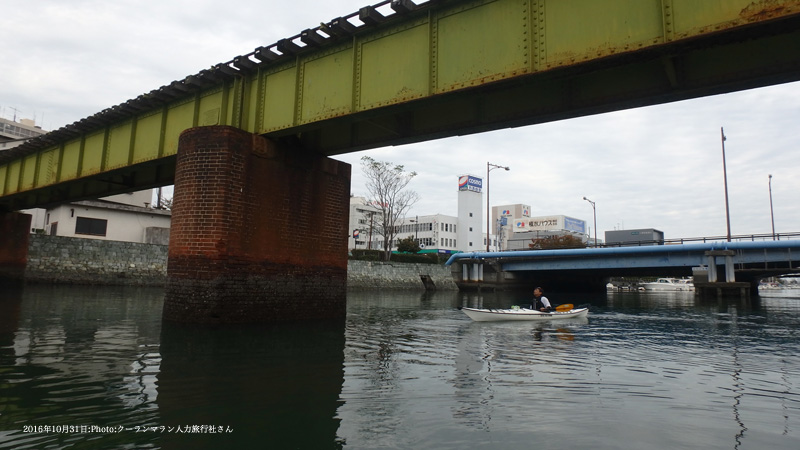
(771, 212)
(594, 214)
(371, 214)
(725, 176)
(489, 168)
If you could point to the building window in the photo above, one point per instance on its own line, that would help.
(94, 227)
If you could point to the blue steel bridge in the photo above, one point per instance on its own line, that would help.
(590, 268)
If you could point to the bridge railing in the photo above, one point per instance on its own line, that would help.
(735, 238)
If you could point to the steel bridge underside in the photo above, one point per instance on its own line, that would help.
(417, 72)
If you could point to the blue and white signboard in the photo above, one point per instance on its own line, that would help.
(576, 225)
(469, 183)
(549, 223)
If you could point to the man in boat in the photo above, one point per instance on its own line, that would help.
(540, 302)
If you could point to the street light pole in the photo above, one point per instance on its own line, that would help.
(489, 168)
(725, 175)
(371, 214)
(594, 214)
(771, 213)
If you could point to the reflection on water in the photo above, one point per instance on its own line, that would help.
(101, 357)
(275, 386)
(405, 370)
(75, 357)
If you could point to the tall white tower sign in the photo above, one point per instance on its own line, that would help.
(470, 214)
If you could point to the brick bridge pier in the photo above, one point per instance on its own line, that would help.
(14, 229)
(259, 231)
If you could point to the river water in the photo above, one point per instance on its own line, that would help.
(95, 368)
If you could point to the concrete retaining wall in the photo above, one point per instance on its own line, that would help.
(68, 260)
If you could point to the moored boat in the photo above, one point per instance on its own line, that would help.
(668, 284)
(495, 315)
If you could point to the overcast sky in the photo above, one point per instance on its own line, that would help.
(657, 167)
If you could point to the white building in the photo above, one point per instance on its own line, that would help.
(123, 217)
(362, 225)
(437, 233)
(504, 217)
(14, 133)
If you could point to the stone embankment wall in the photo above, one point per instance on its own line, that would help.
(67, 260)
(392, 275)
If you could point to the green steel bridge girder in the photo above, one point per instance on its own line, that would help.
(421, 72)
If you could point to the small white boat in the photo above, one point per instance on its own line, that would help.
(668, 284)
(495, 315)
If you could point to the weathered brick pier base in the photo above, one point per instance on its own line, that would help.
(259, 233)
(14, 229)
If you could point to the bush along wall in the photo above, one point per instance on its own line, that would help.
(414, 258)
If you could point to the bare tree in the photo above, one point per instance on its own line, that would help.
(386, 184)
(166, 203)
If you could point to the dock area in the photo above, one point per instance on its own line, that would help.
(721, 289)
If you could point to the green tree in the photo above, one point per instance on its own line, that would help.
(556, 242)
(408, 245)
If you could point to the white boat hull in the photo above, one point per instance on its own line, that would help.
(496, 315)
(668, 288)
(668, 284)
